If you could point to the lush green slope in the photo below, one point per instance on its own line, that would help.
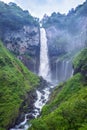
(67, 108)
(80, 63)
(15, 82)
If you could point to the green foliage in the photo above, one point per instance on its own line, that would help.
(56, 19)
(63, 92)
(69, 22)
(81, 59)
(67, 108)
(80, 63)
(15, 82)
(13, 17)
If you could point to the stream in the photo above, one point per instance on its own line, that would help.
(42, 98)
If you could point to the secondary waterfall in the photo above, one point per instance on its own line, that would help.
(63, 70)
(44, 69)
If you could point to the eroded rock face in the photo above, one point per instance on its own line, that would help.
(53, 35)
(65, 40)
(25, 44)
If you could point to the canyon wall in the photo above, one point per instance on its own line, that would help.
(67, 35)
(25, 44)
(20, 33)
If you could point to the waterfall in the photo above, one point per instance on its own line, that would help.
(44, 69)
(63, 69)
(43, 95)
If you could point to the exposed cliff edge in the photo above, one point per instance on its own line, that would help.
(20, 34)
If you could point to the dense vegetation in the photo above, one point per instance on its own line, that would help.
(66, 32)
(63, 21)
(15, 81)
(80, 63)
(13, 17)
(56, 19)
(67, 108)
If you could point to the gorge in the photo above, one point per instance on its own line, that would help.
(41, 81)
(43, 94)
(45, 72)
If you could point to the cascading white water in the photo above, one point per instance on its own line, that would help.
(44, 69)
(64, 70)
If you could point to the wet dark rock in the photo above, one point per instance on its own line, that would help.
(44, 101)
(42, 97)
(30, 116)
(26, 107)
(25, 44)
(43, 84)
(37, 109)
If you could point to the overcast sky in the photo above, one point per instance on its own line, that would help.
(40, 7)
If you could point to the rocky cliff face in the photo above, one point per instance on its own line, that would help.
(66, 34)
(62, 41)
(25, 43)
(20, 33)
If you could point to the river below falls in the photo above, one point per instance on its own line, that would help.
(42, 98)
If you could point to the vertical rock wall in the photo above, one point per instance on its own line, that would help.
(25, 44)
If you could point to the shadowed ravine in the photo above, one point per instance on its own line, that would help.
(45, 72)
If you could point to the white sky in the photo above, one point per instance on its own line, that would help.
(40, 7)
